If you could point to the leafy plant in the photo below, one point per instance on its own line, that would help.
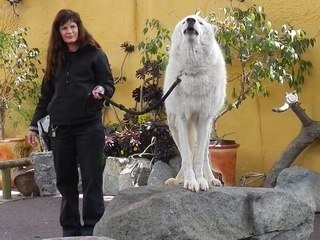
(263, 53)
(164, 148)
(154, 60)
(138, 130)
(127, 48)
(122, 143)
(19, 74)
(136, 139)
(154, 47)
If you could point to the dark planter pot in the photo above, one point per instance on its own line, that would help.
(24, 181)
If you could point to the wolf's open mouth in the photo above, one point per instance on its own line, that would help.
(190, 30)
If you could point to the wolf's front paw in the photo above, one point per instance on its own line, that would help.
(173, 182)
(192, 185)
(203, 184)
(215, 182)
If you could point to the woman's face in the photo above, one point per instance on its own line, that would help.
(69, 33)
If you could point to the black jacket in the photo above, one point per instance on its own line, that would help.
(66, 97)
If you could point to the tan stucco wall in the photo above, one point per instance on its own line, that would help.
(261, 133)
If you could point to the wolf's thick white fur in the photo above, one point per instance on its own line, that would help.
(196, 58)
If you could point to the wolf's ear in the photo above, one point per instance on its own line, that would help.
(214, 29)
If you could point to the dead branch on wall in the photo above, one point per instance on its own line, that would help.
(309, 133)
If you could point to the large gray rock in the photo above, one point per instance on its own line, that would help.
(175, 163)
(80, 238)
(117, 175)
(120, 173)
(304, 183)
(160, 173)
(44, 175)
(172, 213)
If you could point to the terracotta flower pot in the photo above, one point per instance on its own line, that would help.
(223, 158)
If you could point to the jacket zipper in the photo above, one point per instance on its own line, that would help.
(68, 74)
(68, 71)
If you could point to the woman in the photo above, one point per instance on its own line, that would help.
(77, 73)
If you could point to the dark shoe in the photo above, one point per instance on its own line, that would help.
(87, 230)
(71, 232)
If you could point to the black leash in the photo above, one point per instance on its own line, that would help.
(148, 109)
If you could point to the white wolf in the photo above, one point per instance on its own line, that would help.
(196, 58)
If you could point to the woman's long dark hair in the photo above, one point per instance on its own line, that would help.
(56, 44)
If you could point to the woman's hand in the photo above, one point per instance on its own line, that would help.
(95, 92)
(32, 139)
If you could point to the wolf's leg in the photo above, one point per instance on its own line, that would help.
(186, 156)
(203, 127)
(174, 132)
(207, 172)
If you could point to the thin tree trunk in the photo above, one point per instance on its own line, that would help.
(2, 121)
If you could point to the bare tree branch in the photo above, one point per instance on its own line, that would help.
(310, 132)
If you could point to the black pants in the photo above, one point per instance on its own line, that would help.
(72, 145)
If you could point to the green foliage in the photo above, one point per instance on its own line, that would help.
(264, 53)
(20, 116)
(154, 47)
(18, 71)
(144, 118)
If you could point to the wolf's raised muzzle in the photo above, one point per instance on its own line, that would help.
(190, 29)
(191, 21)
